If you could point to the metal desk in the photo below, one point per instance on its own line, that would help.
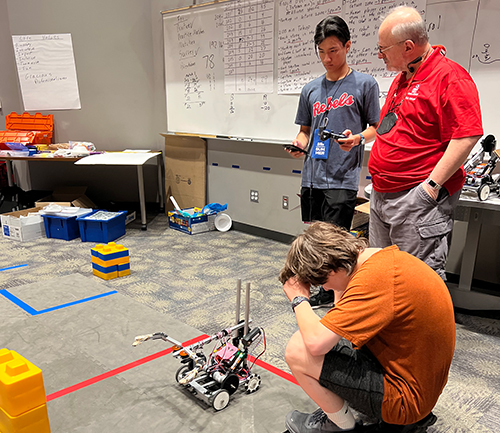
(137, 159)
(475, 213)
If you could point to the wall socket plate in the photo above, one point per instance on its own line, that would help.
(284, 202)
(254, 195)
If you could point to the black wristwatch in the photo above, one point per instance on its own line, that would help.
(362, 139)
(297, 300)
(435, 186)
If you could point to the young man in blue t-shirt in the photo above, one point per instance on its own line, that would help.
(341, 101)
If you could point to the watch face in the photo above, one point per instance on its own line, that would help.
(297, 300)
(433, 184)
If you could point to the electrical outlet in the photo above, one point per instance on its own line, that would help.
(254, 195)
(284, 203)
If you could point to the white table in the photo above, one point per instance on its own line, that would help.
(134, 158)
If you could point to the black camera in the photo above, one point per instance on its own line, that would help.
(325, 134)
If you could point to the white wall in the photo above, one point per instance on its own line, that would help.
(9, 93)
(115, 62)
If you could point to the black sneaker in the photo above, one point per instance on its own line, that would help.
(323, 299)
(316, 422)
(418, 427)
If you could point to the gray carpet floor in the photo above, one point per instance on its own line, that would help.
(192, 280)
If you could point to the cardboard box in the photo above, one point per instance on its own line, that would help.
(185, 170)
(361, 213)
(191, 225)
(21, 226)
(68, 196)
(130, 217)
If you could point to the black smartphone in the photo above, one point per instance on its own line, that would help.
(338, 136)
(293, 148)
(325, 135)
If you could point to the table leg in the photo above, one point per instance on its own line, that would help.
(470, 250)
(161, 184)
(8, 164)
(142, 198)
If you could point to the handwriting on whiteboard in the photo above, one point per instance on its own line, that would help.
(248, 46)
(484, 57)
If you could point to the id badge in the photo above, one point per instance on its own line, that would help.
(387, 123)
(320, 148)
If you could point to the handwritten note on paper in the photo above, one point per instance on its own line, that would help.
(47, 73)
(297, 60)
(363, 19)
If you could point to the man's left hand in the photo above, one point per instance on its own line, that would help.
(432, 192)
(293, 288)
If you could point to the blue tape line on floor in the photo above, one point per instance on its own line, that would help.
(34, 312)
(18, 302)
(12, 267)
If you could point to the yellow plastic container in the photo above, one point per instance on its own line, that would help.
(21, 384)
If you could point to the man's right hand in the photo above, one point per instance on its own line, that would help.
(293, 288)
(295, 153)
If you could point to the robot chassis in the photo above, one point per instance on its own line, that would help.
(214, 378)
(479, 176)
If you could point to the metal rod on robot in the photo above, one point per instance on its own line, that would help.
(219, 335)
(238, 303)
(247, 310)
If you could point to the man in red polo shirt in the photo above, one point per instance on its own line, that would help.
(431, 120)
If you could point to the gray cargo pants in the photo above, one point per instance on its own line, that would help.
(415, 222)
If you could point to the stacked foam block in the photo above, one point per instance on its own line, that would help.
(110, 261)
(23, 403)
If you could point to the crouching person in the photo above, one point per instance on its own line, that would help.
(386, 347)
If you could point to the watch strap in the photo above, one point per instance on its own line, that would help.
(362, 139)
(297, 300)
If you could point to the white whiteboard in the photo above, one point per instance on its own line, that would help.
(196, 98)
(194, 42)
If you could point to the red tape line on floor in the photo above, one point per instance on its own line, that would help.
(118, 370)
(157, 355)
(272, 369)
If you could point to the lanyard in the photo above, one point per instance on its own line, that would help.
(339, 85)
(392, 107)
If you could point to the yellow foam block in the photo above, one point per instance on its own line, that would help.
(34, 421)
(108, 263)
(104, 276)
(124, 273)
(21, 384)
(110, 250)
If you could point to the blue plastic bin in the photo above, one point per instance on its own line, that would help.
(61, 227)
(102, 230)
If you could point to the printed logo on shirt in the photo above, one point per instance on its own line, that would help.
(413, 93)
(333, 104)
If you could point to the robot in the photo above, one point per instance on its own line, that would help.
(228, 367)
(479, 177)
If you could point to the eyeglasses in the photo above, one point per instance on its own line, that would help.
(383, 50)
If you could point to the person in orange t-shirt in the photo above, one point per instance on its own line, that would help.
(386, 347)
